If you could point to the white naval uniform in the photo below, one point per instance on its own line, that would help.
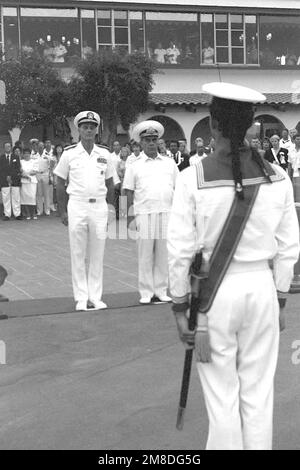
(243, 320)
(43, 187)
(196, 158)
(52, 163)
(153, 182)
(87, 213)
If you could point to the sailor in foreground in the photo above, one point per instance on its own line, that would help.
(239, 210)
(149, 183)
(90, 172)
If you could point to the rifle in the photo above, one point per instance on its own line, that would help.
(195, 271)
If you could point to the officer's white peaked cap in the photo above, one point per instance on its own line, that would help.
(87, 116)
(147, 129)
(230, 91)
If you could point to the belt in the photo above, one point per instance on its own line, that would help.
(91, 200)
(246, 267)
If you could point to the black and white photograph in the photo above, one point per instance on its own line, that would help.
(149, 228)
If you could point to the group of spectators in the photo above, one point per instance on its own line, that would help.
(28, 185)
(26, 179)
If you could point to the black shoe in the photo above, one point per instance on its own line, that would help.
(5, 218)
(156, 300)
(19, 217)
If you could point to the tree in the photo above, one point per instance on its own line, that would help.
(35, 93)
(114, 85)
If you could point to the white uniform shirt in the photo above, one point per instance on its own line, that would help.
(198, 216)
(294, 160)
(115, 158)
(153, 182)
(131, 159)
(43, 163)
(196, 158)
(86, 173)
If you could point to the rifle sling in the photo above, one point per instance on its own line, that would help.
(226, 246)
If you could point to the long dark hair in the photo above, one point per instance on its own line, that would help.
(234, 119)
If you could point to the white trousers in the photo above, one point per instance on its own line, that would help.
(43, 193)
(11, 200)
(87, 234)
(152, 254)
(238, 384)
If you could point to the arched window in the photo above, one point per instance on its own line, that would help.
(201, 129)
(269, 125)
(173, 130)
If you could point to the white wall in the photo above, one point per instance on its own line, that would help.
(191, 80)
(187, 120)
(222, 3)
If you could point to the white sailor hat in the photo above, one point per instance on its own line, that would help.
(87, 116)
(230, 91)
(34, 140)
(146, 129)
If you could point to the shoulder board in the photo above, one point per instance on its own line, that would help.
(70, 147)
(102, 146)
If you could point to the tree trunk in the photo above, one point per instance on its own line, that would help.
(109, 132)
(15, 133)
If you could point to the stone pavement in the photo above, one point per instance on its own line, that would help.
(109, 379)
(36, 253)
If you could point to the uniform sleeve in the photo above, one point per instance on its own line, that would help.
(287, 236)
(62, 168)
(110, 169)
(175, 173)
(181, 239)
(129, 180)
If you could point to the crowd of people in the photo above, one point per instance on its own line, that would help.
(28, 184)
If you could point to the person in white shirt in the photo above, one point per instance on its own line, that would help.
(89, 171)
(285, 141)
(116, 158)
(172, 54)
(294, 161)
(34, 148)
(43, 186)
(28, 184)
(162, 148)
(243, 321)
(159, 53)
(48, 152)
(149, 184)
(199, 153)
(136, 153)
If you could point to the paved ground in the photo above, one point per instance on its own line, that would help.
(106, 380)
(36, 253)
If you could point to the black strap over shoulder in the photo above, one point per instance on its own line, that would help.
(226, 246)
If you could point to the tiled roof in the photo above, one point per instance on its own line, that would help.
(203, 98)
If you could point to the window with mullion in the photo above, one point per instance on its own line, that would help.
(120, 24)
(222, 38)
(104, 25)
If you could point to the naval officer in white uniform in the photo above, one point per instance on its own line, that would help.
(149, 184)
(89, 171)
(243, 321)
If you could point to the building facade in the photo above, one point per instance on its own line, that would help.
(194, 41)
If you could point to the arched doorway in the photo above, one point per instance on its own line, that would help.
(201, 129)
(173, 130)
(269, 125)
